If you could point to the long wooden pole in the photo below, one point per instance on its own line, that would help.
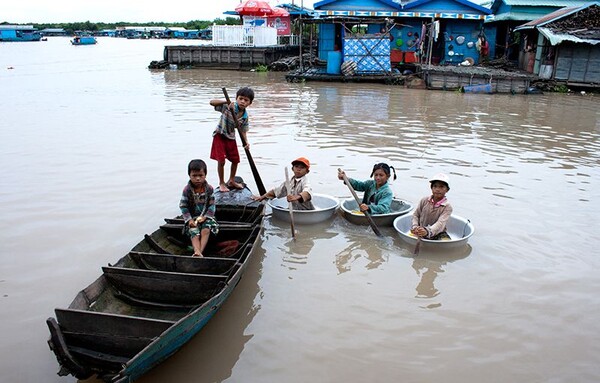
(358, 201)
(288, 185)
(257, 179)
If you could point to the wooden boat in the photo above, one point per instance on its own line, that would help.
(351, 212)
(459, 229)
(150, 302)
(325, 208)
(84, 40)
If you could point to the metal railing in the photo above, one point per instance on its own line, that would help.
(240, 35)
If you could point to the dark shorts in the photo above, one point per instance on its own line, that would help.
(224, 148)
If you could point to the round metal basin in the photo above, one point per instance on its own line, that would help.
(459, 229)
(325, 208)
(351, 212)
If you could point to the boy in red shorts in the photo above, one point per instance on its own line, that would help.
(224, 145)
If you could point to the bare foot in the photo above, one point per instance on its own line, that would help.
(235, 185)
(223, 188)
(197, 255)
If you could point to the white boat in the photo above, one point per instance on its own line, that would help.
(459, 229)
(354, 215)
(325, 208)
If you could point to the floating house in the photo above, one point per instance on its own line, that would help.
(565, 45)
(264, 37)
(372, 32)
(53, 32)
(140, 32)
(19, 33)
(509, 14)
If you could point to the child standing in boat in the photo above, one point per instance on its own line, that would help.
(378, 196)
(224, 145)
(197, 206)
(431, 215)
(301, 191)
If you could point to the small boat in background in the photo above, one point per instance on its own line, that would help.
(354, 215)
(84, 40)
(459, 229)
(325, 208)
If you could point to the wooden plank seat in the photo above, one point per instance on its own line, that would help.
(160, 288)
(179, 264)
(119, 336)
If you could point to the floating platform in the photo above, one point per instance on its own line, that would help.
(218, 57)
(459, 78)
(320, 74)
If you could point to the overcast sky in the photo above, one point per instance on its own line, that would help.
(65, 11)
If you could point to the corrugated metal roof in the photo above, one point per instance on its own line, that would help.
(557, 38)
(549, 17)
(517, 16)
(546, 3)
(554, 16)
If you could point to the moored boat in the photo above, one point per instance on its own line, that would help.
(325, 208)
(351, 212)
(459, 229)
(84, 40)
(154, 299)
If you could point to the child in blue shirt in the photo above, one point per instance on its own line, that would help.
(378, 195)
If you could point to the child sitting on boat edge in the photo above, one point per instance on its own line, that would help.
(198, 208)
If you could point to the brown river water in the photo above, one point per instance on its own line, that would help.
(94, 149)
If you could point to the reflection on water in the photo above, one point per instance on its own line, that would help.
(95, 149)
(208, 355)
(428, 264)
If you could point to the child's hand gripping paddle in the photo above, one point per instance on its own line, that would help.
(367, 214)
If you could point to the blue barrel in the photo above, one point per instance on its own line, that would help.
(334, 62)
(482, 88)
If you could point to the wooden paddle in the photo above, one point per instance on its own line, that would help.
(288, 185)
(257, 179)
(358, 201)
(417, 246)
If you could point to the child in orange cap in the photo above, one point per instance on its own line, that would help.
(431, 215)
(301, 193)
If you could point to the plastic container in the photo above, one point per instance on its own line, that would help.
(396, 56)
(481, 88)
(409, 57)
(334, 62)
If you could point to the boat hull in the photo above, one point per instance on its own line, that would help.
(349, 209)
(154, 299)
(460, 230)
(84, 41)
(325, 208)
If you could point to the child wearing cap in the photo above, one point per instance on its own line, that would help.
(301, 193)
(431, 215)
(378, 195)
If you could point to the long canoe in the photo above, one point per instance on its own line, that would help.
(154, 299)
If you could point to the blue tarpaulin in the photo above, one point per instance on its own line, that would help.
(370, 53)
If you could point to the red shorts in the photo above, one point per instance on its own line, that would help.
(224, 148)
